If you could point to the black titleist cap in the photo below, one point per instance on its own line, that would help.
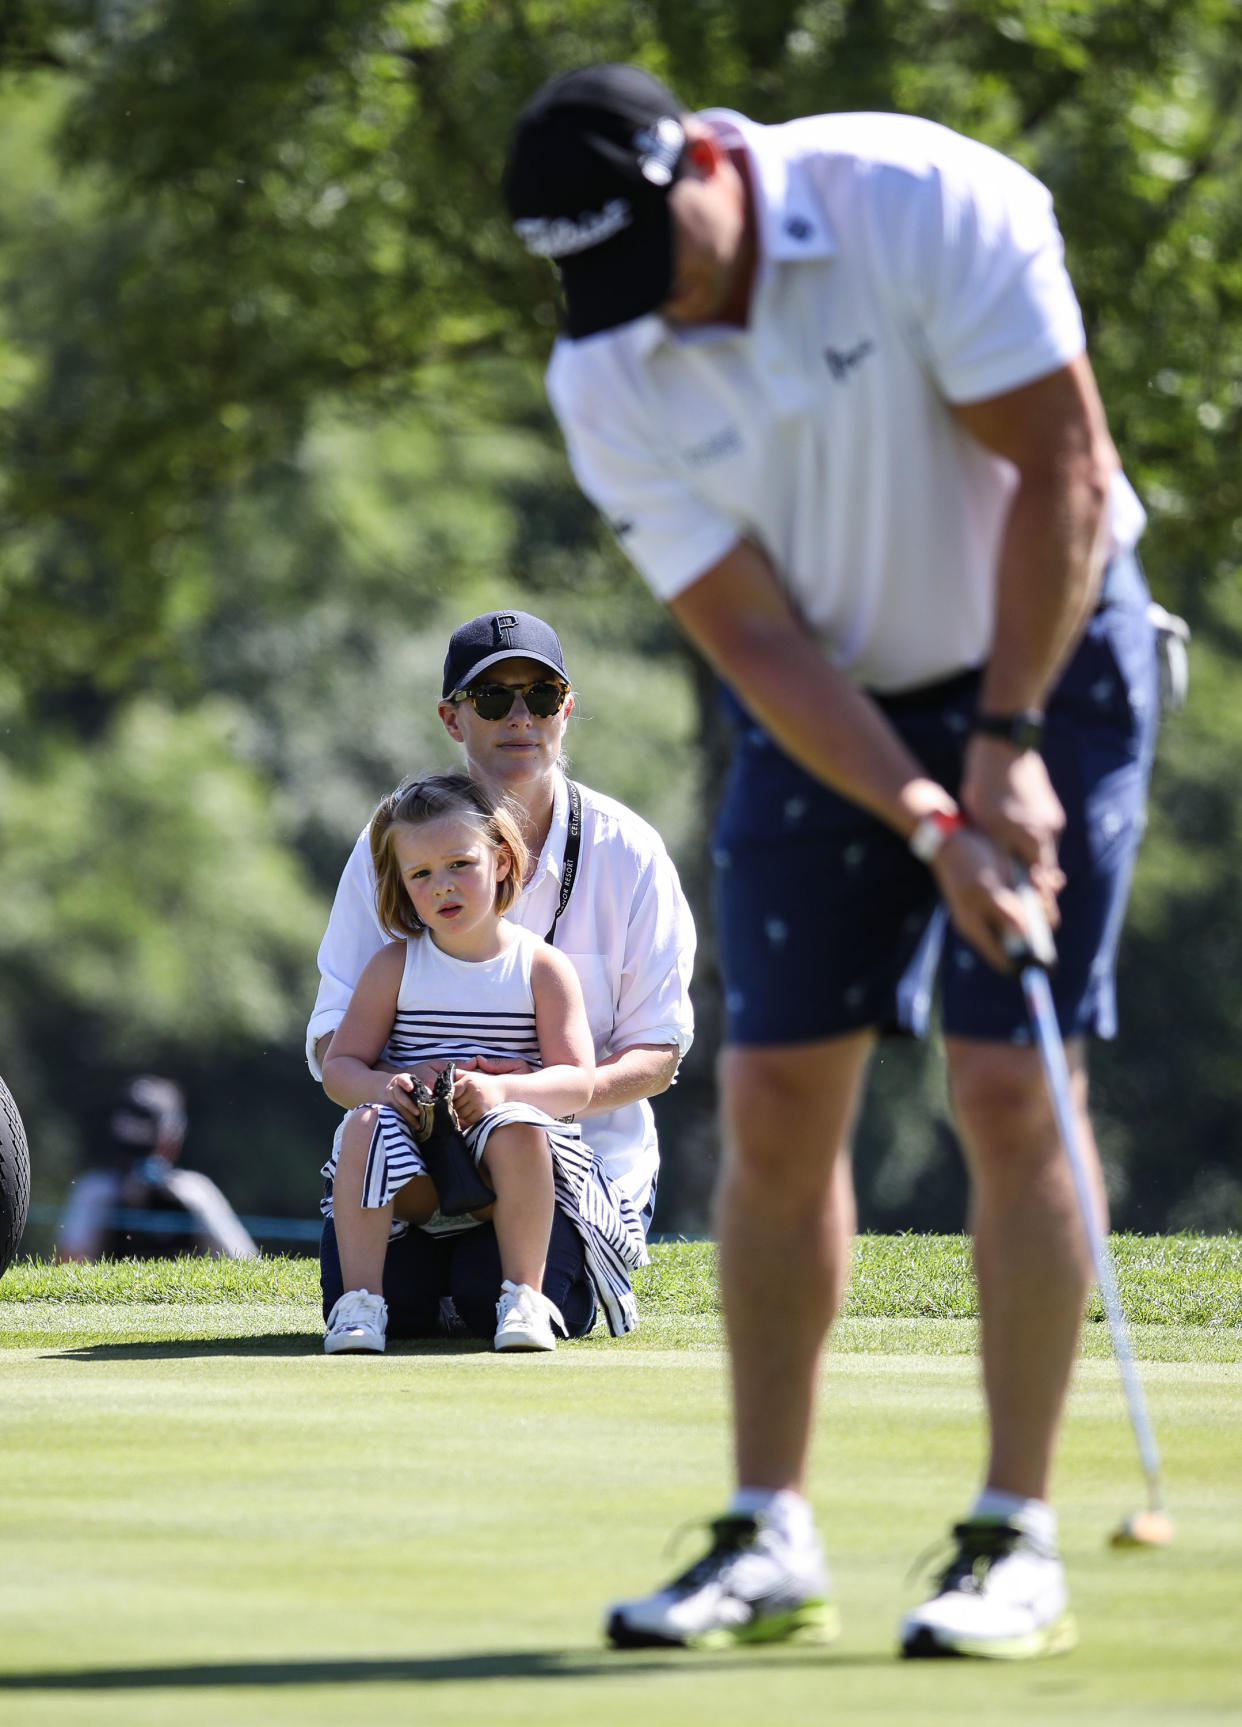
(475, 646)
(592, 158)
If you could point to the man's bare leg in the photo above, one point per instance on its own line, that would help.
(785, 1221)
(1002, 1594)
(1031, 1255)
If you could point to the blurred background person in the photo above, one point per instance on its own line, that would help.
(134, 1202)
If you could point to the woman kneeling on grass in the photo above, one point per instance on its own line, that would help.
(457, 984)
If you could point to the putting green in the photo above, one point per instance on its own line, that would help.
(204, 1520)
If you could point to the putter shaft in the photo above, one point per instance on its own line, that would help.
(1038, 996)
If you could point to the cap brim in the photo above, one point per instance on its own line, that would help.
(627, 277)
(507, 654)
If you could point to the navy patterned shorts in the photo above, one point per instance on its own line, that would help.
(828, 925)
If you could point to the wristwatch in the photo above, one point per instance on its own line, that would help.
(1024, 730)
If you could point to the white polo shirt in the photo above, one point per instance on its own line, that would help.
(627, 930)
(902, 268)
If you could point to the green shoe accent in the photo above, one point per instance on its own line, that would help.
(808, 1622)
(1055, 1639)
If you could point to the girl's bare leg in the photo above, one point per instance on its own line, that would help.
(362, 1234)
(518, 1164)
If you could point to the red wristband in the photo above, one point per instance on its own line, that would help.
(932, 831)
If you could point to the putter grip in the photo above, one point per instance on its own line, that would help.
(1038, 947)
(450, 1164)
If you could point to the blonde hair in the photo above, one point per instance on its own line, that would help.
(425, 800)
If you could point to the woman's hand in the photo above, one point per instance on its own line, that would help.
(427, 1071)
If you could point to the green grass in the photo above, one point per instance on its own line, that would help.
(205, 1520)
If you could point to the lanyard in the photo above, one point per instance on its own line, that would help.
(573, 845)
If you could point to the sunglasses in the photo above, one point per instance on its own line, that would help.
(493, 701)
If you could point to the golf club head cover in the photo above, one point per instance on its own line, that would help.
(459, 1186)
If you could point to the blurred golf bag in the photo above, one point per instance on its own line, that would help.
(14, 1178)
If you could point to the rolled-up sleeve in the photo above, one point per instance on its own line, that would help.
(653, 1005)
(352, 936)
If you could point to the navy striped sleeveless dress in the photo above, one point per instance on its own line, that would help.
(449, 1009)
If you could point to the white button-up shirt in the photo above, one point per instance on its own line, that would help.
(627, 930)
(902, 268)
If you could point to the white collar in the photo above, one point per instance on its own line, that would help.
(793, 224)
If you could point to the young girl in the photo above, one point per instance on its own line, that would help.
(460, 984)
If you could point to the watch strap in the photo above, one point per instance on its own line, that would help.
(1024, 730)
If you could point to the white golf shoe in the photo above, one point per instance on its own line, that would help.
(750, 1587)
(525, 1318)
(1002, 1596)
(357, 1324)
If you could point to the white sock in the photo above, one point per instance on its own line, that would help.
(1035, 1516)
(781, 1509)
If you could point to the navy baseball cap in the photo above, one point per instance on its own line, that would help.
(592, 158)
(495, 636)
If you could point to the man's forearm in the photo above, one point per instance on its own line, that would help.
(739, 617)
(1047, 585)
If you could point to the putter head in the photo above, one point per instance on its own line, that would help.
(1143, 1529)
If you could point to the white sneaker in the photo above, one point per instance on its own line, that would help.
(524, 1318)
(1002, 1595)
(750, 1587)
(359, 1322)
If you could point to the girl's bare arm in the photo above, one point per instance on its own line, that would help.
(350, 1076)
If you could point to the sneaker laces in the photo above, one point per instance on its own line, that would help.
(732, 1534)
(979, 1545)
(355, 1305)
(523, 1296)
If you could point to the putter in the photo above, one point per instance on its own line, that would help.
(1034, 959)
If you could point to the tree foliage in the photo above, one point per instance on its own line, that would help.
(271, 421)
